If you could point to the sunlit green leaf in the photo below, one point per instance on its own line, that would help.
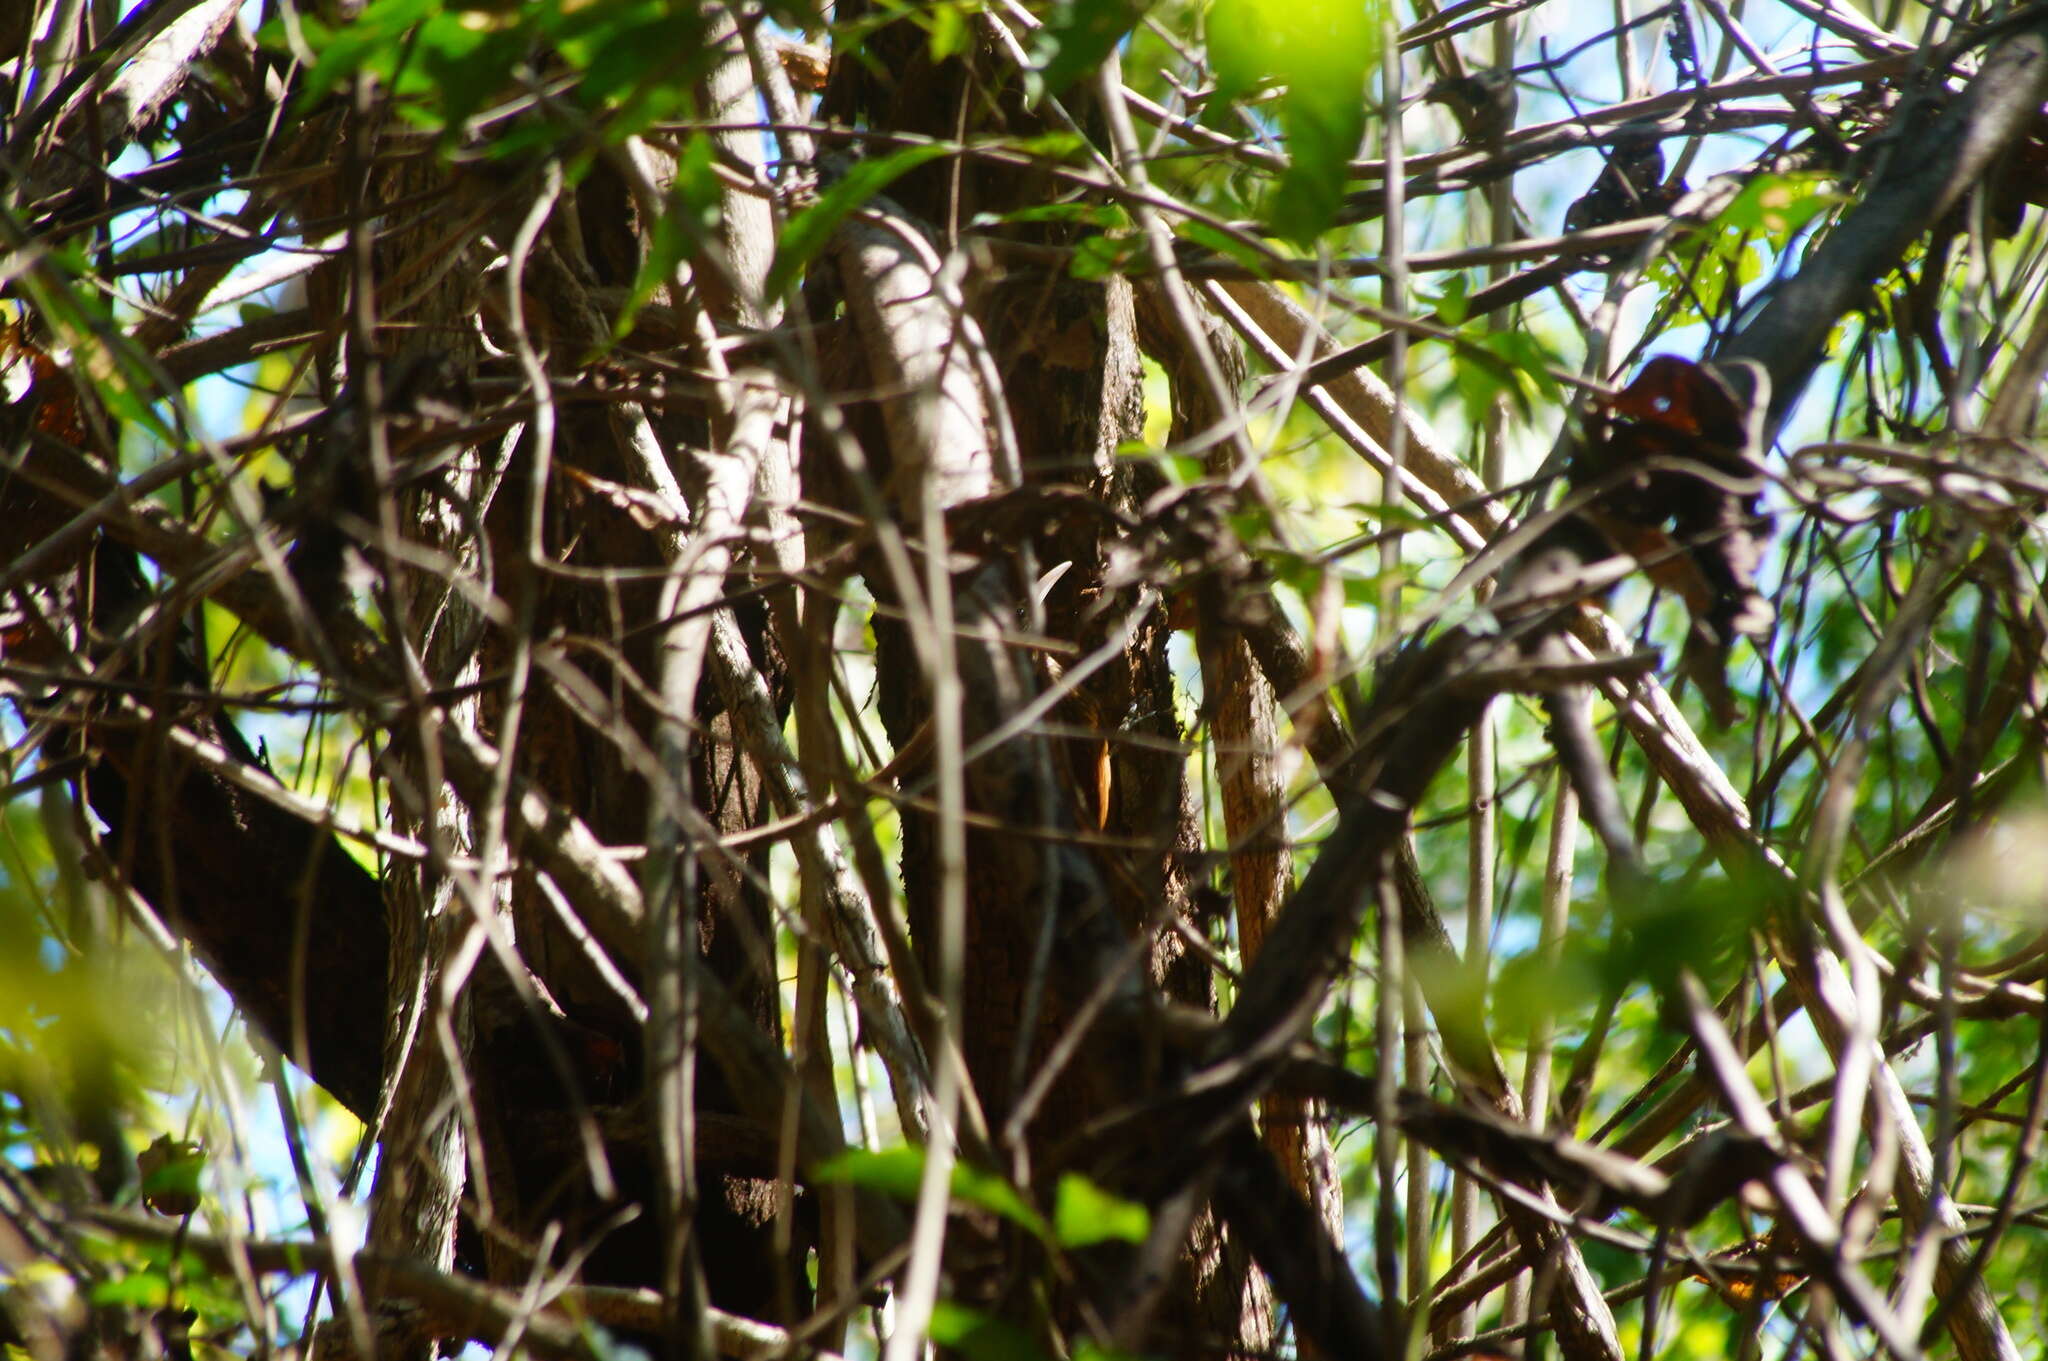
(1106, 215)
(1322, 53)
(1489, 365)
(692, 215)
(170, 1171)
(946, 31)
(806, 234)
(1099, 256)
(895, 1171)
(994, 1194)
(144, 1289)
(641, 66)
(1227, 245)
(1453, 303)
(1046, 146)
(1084, 1213)
(1385, 515)
(1077, 36)
(1365, 590)
(1775, 206)
(900, 1172)
(980, 1336)
(373, 41)
(1700, 269)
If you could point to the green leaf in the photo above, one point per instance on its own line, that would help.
(1106, 215)
(892, 1171)
(1046, 146)
(1227, 245)
(641, 66)
(137, 1289)
(1378, 515)
(1365, 590)
(1083, 1213)
(1487, 365)
(99, 357)
(1323, 52)
(996, 1195)
(1251, 523)
(449, 58)
(528, 137)
(581, 32)
(1077, 37)
(1775, 206)
(1181, 469)
(979, 1336)
(374, 40)
(467, 57)
(1695, 273)
(1530, 360)
(1702, 925)
(1454, 304)
(691, 216)
(1702, 266)
(899, 1172)
(1322, 136)
(1482, 378)
(804, 235)
(1098, 257)
(1529, 986)
(1298, 572)
(637, 59)
(947, 34)
(170, 1175)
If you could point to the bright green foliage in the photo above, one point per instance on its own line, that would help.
(1514, 365)
(690, 219)
(806, 233)
(1101, 255)
(1084, 1213)
(1706, 266)
(980, 1336)
(1078, 36)
(900, 1171)
(634, 59)
(1322, 53)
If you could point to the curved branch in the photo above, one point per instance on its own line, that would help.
(1926, 173)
